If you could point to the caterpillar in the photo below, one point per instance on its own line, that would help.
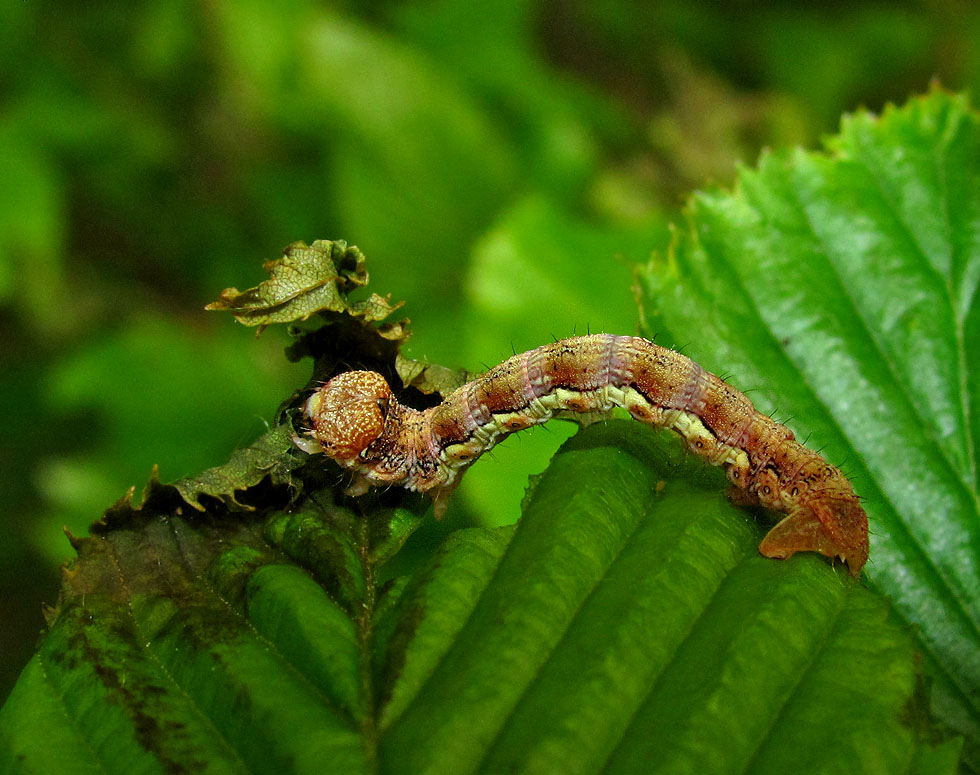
(357, 422)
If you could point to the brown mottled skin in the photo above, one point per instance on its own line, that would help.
(357, 422)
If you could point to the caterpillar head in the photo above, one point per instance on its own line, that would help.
(348, 413)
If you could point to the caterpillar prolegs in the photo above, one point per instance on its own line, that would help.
(357, 421)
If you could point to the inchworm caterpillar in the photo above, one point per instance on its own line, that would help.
(357, 421)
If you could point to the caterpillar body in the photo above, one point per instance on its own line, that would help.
(357, 421)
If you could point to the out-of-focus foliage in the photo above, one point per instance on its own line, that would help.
(154, 153)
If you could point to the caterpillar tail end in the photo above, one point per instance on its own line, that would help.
(834, 527)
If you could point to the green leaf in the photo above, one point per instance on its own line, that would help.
(306, 280)
(430, 377)
(31, 234)
(418, 166)
(274, 455)
(492, 46)
(109, 394)
(627, 623)
(842, 289)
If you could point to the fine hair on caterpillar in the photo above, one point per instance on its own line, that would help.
(357, 421)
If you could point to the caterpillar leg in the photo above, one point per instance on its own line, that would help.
(359, 486)
(441, 496)
(741, 497)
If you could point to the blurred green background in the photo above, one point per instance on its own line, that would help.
(501, 163)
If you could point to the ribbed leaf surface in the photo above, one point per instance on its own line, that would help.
(842, 289)
(628, 624)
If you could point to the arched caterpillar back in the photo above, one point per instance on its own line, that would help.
(357, 421)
